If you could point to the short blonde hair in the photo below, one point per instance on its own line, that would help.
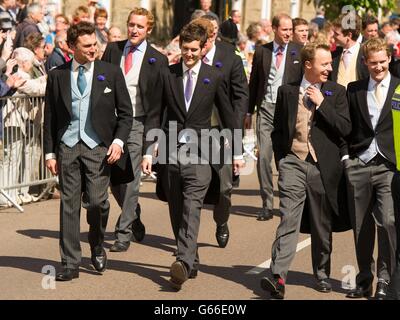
(374, 45)
(309, 50)
(142, 12)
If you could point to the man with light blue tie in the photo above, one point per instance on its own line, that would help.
(141, 64)
(87, 119)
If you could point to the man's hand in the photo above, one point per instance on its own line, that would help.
(52, 165)
(247, 121)
(146, 165)
(315, 95)
(237, 165)
(114, 153)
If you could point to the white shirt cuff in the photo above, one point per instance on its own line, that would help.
(50, 156)
(120, 143)
(345, 157)
(147, 156)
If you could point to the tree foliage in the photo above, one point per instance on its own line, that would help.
(334, 7)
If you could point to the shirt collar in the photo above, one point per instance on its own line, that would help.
(195, 69)
(353, 49)
(385, 82)
(276, 46)
(210, 55)
(305, 84)
(141, 47)
(75, 65)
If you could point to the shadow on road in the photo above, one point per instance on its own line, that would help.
(237, 274)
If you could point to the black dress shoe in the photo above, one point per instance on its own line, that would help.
(265, 215)
(193, 274)
(138, 228)
(360, 292)
(99, 260)
(179, 274)
(222, 235)
(276, 287)
(67, 274)
(120, 246)
(323, 286)
(381, 290)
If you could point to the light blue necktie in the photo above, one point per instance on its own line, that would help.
(81, 80)
(189, 86)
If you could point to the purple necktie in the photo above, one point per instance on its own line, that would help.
(189, 86)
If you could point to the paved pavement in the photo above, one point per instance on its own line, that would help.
(30, 246)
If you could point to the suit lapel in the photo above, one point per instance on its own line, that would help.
(116, 59)
(145, 70)
(65, 86)
(97, 85)
(291, 56)
(218, 57)
(267, 58)
(387, 107)
(177, 87)
(292, 109)
(199, 91)
(363, 102)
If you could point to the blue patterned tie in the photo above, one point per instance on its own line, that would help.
(189, 86)
(81, 80)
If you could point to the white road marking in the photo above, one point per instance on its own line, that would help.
(265, 265)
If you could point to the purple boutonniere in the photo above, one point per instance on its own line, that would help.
(206, 81)
(101, 77)
(152, 60)
(293, 52)
(328, 93)
(218, 64)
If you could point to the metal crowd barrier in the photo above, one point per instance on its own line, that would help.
(22, 164)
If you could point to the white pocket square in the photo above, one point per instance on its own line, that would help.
(107, 90)
(296, 61)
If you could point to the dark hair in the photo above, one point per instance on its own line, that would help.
(78, 30)
(369, 20)
(193, 32)
(342, 22)
(33, 41)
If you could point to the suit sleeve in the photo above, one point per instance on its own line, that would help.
(239, 89)
(155, 114)
(254, 76)
(50, 121)
(123, 107)
(337, 115)
(227, 114)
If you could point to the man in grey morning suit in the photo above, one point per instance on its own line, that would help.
(274, 64)
(310, 122)
(189, 91)
(141, 64)
(221, 55)
(370, 170)
(87, 119)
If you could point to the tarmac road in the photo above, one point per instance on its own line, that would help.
(29, 246)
